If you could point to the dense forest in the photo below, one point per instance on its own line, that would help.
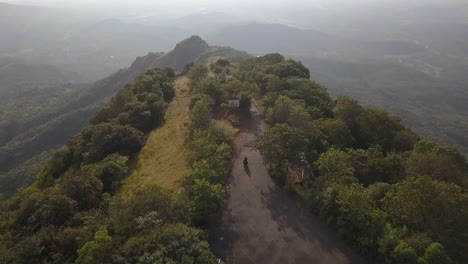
(396, 197)
(71, 213)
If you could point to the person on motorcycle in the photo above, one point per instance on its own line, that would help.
(246, 162)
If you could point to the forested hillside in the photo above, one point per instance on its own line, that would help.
(55, 112)
(75, 211)
(72, 213)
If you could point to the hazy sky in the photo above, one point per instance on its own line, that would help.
(210, 3)
(163, 9)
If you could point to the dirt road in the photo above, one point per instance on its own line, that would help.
(263, 224)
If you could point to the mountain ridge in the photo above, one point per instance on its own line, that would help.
(27, 144)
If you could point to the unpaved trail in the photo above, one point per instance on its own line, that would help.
(162, 161)
(262, 224)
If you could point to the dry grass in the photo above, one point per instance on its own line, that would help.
(163, 161)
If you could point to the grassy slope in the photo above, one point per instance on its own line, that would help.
(163, 160)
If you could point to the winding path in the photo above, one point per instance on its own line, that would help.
(262, 224)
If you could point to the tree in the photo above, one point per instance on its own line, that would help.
(210, 87)
(316, 98)
(282, 143)
(436, 208)
(56, 166)
(439, 162)
(142, 116)
(85, 189)
(125, 214)
(355, 220)
(198, 72)
(96, 251)
(233, 89)
(285, 110)
(271, 58)
(378, 127)
(206, 199)
(112, 171)
(171, 243)
(348, 111)
(201, 115)
(289, 68)
(222, 62)
(435, 254)
(98, 141)
(335, 166)
(404, 254)
(336, 132)
(54, 210)
(280, 112)
(372, 166)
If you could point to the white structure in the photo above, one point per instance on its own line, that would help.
(234, 103)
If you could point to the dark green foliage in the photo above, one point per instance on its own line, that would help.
(436, 208)
(133, 216)
(68, 218)
(404, 254)
(220, 66)
(396, 198)
(210, 87)
(201, 114)
(441, 163)
(211, 151)
(271, 58)
(140, 104)
(318, 102)
(85, 189)
(111, 171)
(57, 165)
(377, 127)
(348, 111)
(289, 68)
(210, 166)
(98, 141)
(97, 250)
(43, 211)
(198, 72)
(372, 166)
(282, 143)
(336, 132)
(206, 198)
(435, 253)
(371, 127)
(222, 63)
(173, 243)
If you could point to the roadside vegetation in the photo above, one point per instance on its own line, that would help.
(73, 213)
(396, 197)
